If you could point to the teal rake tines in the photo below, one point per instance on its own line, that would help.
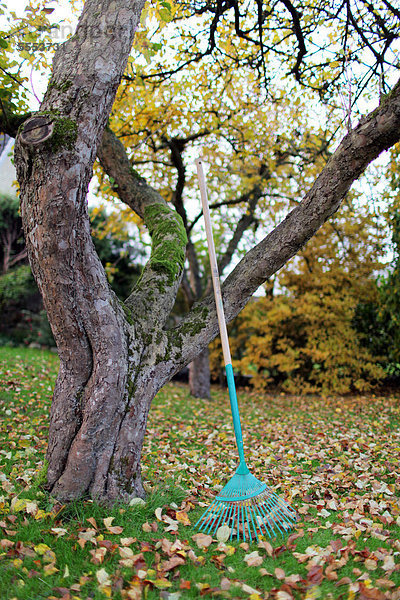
(249, 507)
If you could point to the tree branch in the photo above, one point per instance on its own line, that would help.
(162, 274)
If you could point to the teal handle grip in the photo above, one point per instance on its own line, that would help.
(235, 411)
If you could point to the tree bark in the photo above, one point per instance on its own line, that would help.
(199, 375)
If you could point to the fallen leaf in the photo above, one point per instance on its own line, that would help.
(253, 559)
(116, 530)
(202, 540)
(50, 569)
(92, 521)
(127, 541)
(388, 563)
(98, 555)
(225, 584)
(58, 531)
(182, 517)
(172, 563)
(279, 573)
(267, 546)
(103, 577)
(283, 595)
(370, 564)
(161, 583)
(137, 502)
(223, 533)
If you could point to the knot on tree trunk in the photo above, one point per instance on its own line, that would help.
(37, 130)
(52, 130)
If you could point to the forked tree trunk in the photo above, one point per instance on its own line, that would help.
(199, 375)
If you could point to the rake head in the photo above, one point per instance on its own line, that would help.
(249, 508)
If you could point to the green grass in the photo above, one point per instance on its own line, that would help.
(316, 451)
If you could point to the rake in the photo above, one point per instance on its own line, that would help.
(246, 505)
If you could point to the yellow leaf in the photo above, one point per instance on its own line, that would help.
(41, 514)
(18, 504)
(41, 549)
(182, 517)
(162, 583)
(50, 569)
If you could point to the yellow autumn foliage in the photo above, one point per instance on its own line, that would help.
(303, 338)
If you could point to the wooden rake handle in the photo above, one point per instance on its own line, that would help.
(221, 317)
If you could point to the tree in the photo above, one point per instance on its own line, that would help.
(303, 337)
(115, 356)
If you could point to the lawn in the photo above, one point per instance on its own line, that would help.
(336, 460)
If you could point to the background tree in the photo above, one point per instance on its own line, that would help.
(303, 338)
(115, 356)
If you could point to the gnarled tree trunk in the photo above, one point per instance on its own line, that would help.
(115, 356)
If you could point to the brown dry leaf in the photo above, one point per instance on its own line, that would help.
(172, 563)
(86, 536)
(388, 563)
(267, 546)
(58, 531)
(147, 527)
(172, 525)
(225, 584)
(279, 573)
(283, 595)
(315, 575)
(253, 559)
(370, 564)
(370, 593)
(125, 552)
(202, 540)
(127, 541)
(166, 546)
(330, 573)
(50, 569)
(249, 590)
(92, 521)
(116, 530)
(103, 577)
(134, 593)
(292, 579)
(336, 545)
(388, 583)
(98, 555)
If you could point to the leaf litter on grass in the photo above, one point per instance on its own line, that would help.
(336, 461)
